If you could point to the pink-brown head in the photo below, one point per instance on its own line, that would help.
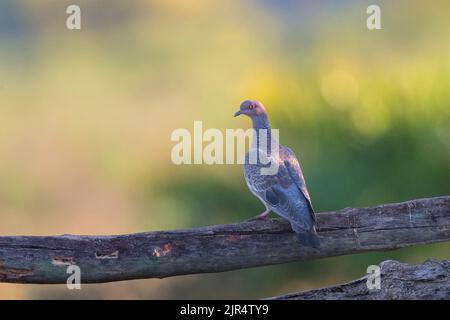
(252, 109)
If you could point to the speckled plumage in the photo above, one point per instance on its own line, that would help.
(285, 192)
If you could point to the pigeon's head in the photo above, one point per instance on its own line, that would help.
(251, 108)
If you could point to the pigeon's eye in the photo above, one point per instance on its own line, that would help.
(252, 106)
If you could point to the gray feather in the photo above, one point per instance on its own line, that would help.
(284, 192)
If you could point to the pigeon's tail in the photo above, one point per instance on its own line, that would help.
(309, 239)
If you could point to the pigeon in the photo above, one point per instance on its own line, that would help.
(283, 191)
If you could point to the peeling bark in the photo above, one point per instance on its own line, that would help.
(44, 259)
(13, 273)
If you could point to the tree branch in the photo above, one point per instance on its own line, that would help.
(44, 259)
(430, 280)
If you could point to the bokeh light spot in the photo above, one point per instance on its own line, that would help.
(340, 89)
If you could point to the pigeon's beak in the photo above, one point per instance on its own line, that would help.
(238, 113)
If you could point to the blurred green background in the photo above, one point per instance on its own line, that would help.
(86, 118)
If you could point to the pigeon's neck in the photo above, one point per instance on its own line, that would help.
(262, 133)
(261, 122)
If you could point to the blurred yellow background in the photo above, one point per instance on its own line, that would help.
(86, 118)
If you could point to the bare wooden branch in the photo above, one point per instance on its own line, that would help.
(430, 280)
(44, 259)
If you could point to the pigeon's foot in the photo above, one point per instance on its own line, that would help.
(262, 216)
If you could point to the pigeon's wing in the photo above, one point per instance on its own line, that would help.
(295, 172)
(257, 182)
(280, 193)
